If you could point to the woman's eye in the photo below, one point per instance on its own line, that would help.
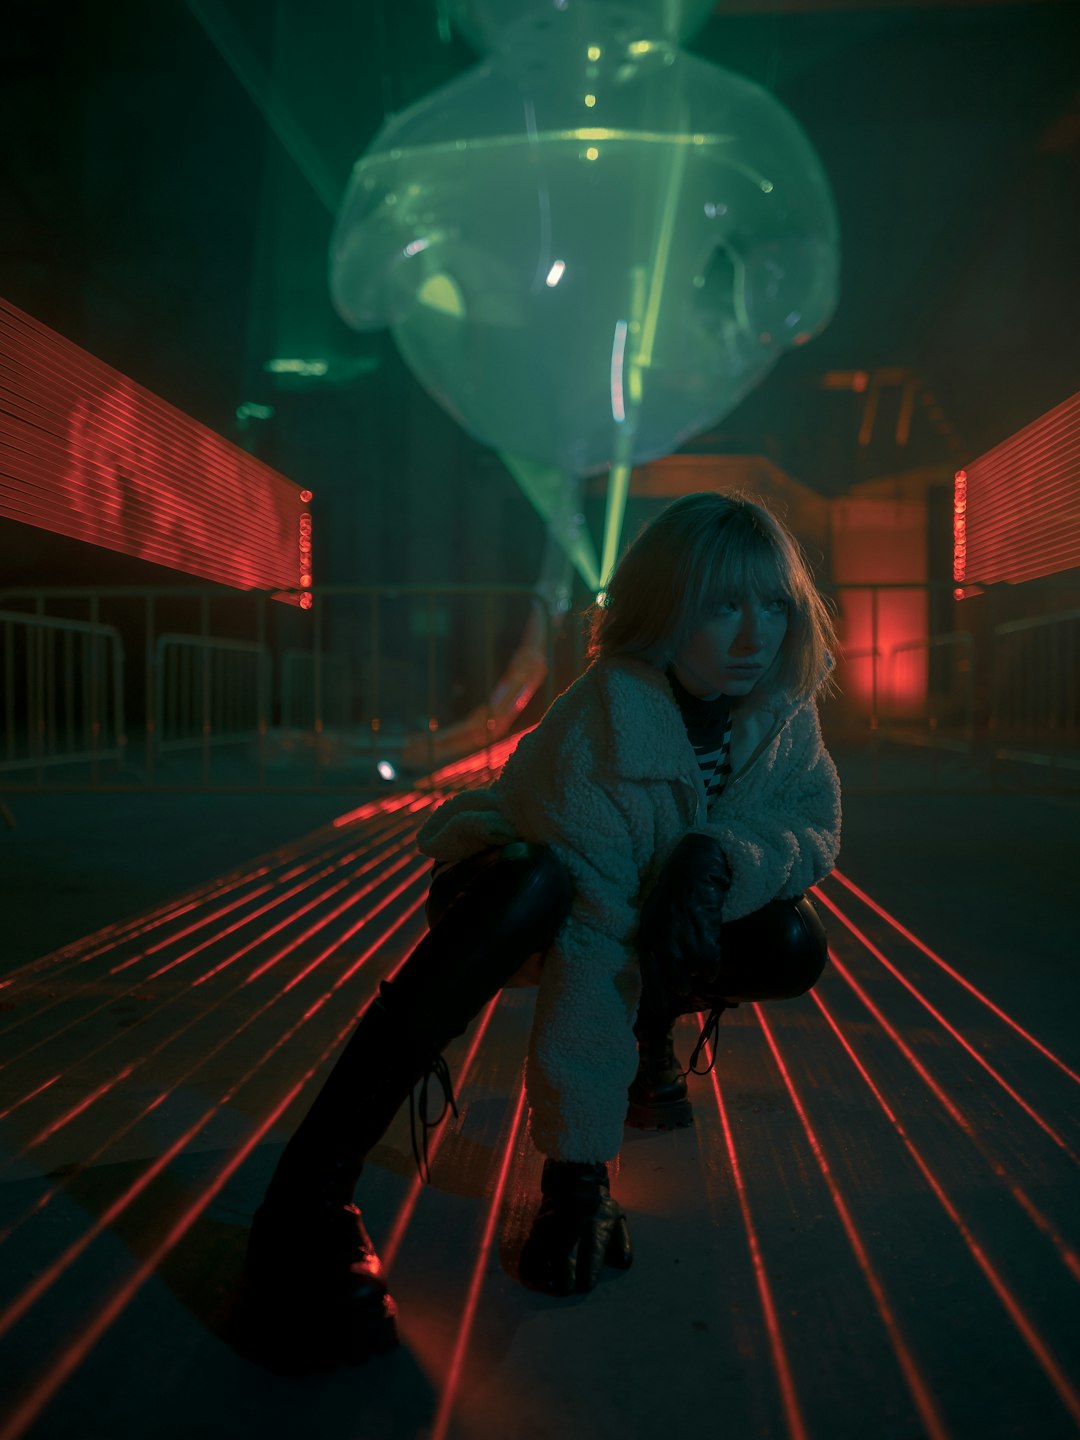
(778, 606)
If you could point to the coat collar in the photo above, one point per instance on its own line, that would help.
(648, 739)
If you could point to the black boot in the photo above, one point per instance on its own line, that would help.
(314, 1282)
(579, 1230)
(658, 1098)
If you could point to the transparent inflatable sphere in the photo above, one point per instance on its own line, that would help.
(590, 256)
(488, 24)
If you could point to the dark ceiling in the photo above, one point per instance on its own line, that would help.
(150, 211)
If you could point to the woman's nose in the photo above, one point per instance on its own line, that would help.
(748, 637)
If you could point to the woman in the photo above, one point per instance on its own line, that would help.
(658, 828)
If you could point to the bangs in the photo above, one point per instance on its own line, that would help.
(744, 560)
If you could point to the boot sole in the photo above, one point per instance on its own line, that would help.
(272, 1337)
(674, 1115)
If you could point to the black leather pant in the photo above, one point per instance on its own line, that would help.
(775, 953)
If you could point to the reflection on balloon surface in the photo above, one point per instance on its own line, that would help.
(589, 247)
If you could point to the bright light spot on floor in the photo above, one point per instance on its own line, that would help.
(555, 274)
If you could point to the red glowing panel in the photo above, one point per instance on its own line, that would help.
(86, 452)
(1017, 508)
(878, 544)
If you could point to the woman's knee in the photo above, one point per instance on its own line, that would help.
(775, 953)
(523, 882)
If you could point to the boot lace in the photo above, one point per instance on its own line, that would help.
(709, 1034)
(418, 1113)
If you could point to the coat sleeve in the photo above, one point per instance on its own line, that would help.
(555, 790)
(781, 834)
(582, 1054)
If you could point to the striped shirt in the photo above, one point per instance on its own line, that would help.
(708, 727)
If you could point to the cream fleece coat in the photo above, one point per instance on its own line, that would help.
(609, 781)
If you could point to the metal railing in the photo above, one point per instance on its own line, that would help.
(227, 690)
(304, 675)
(209, 691)
(242, 693)
(63, 692)
(947, 718)
(1035, 691)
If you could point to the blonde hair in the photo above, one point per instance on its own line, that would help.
(702, 550)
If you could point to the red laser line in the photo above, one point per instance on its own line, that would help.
(793, 1415)
(384, 875)
(159, 1008)
(909, 1055)
(47, 1278)
(153, 919)
(468, 1316)
(1035, 1344)
(181, 905)
(1066, 1254)
(30, 1096)
(1013, 1094)
(330, 950)
(388, 1251)
(299, 869)
(162, 970)
(953, 974)
(284, 924)
(294, 915)
(209, 894)
(78, 1109)
(47, 1387)
(49, 1195)
(920, 1393)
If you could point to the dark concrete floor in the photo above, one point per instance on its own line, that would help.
(870, 1229)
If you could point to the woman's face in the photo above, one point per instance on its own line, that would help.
(733, 649)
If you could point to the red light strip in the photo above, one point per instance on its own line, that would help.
(793, 1416)
(934, 1426)
(953, 974)
(453, 1378)
(1035, 1344)
(1021, 503)
(91, 454)
(389, 1249)
(1013, 1094)
(55, 376)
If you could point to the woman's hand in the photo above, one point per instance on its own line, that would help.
(578, 1230)
(679, 933)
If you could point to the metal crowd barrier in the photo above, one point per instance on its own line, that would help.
(1035, 693)
(63, 692)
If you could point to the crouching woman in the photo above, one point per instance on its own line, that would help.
(655, 836)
